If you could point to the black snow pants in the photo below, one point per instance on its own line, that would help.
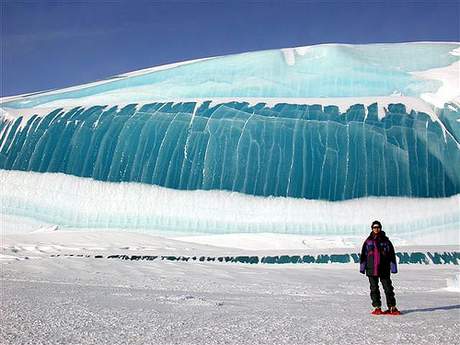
(375, 291)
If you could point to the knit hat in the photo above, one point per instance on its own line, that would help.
(376, 222)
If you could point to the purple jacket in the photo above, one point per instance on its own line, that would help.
(378, 256)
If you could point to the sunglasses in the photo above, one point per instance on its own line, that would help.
(376, 227)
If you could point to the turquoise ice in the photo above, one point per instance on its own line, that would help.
(302, 151)
(300, 134)
(316, 71)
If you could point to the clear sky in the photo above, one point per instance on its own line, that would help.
(54, 44)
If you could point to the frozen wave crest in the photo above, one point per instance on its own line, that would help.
(326, 70)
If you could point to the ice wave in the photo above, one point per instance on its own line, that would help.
(292, 150)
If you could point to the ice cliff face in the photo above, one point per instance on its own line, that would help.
(327, 122)
(303, 151)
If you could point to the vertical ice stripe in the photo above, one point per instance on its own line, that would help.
(302, 151)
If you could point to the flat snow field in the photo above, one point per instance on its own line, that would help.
(80, 300)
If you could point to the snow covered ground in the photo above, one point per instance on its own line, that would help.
(84, 300)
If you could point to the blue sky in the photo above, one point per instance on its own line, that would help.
(54, 44)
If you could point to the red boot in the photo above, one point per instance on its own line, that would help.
(377, 311)
(392, 311)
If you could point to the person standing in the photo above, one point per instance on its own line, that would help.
(377, 261)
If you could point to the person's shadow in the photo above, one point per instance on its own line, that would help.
(447, 307)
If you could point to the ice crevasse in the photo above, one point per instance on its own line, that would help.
(310, 140)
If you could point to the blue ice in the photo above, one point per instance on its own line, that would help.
(301, 151)
(335, 70)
